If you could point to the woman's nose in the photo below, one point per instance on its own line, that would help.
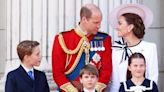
(117, 26)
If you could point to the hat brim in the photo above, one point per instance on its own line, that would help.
(144, 12)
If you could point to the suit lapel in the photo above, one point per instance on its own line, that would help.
(25, 76)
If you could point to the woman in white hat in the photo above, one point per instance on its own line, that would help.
(130, 21)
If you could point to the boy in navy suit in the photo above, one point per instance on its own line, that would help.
(25, 78)
(89, 77)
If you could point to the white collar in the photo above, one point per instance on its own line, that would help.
(82, 31)
(26, 69)
(138, 88)
(86, 90)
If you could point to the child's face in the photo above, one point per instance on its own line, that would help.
(137, 67)
(89, 80)
(35, 58)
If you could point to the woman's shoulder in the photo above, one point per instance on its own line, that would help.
(147, 43)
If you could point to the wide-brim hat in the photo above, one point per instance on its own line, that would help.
(144, 12)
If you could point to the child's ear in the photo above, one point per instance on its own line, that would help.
(25, 57)
(129, 68)
(81, 80)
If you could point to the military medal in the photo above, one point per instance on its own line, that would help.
(102, 46)
(99, 45)
(96, 58)
(92, 47)
(95, 46)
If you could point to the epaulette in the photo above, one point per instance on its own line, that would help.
(103, 33)
(63, 32)
(100, 36)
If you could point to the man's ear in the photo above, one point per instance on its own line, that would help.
(84, 19)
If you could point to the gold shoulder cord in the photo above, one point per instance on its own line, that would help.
(66, 50)
(79, 49)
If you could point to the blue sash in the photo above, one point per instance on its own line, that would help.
(75, 73)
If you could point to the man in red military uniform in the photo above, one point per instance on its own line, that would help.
(79, 46)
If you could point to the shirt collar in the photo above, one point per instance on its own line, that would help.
(86, 90)
(82, 31)
(26, 69)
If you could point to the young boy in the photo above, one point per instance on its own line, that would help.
(25, 78)
(89, 77)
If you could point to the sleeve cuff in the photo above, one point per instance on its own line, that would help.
(68, 87)
(100, 86)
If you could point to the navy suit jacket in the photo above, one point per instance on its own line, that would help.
(19, 81)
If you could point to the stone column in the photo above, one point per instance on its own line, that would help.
(156, 34)
(2, 40)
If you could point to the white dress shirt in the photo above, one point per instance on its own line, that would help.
(27, 70)
(86, 90)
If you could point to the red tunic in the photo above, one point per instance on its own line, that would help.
(71, 39)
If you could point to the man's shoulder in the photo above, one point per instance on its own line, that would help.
(101, 36)
(68, 32)
(103, 33)
(65, 34)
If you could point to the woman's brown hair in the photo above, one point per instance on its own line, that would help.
(139, 27)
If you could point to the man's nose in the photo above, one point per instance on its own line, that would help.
(98, 26)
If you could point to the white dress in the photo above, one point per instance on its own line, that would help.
(120, 62)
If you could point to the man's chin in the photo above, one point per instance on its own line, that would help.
(94, 33)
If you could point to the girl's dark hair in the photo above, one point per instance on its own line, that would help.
(133, 56)
(139, 27)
